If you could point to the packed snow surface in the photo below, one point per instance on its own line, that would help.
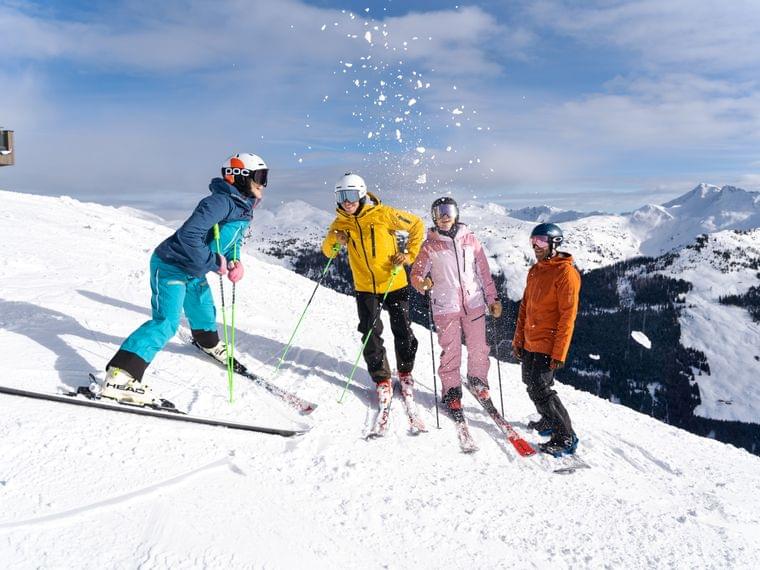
(84, 488)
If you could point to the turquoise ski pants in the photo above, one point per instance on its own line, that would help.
(172, 291)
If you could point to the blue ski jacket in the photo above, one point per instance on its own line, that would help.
(192, 247)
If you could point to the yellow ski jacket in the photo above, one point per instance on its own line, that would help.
(372, 243)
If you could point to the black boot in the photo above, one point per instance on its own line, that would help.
(453, 401)
(560, 444)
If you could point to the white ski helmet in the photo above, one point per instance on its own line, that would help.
(350, 187)
(244, 165)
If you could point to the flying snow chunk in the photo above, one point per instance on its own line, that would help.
(398, 135)
(323, 27)
(642, 339)
(448, 149)
(412, 102)
(368, 36)
(594, 356)
(420, 149)
(348, 64)
(422, 179)
(369, 135)
(457, 111)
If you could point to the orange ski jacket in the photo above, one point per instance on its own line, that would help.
(549, 305)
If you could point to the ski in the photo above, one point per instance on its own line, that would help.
(570, 464)
(380, 426)
(303, 407)
(416, 424)
(167, 411)
(466, 441)
(522, 447)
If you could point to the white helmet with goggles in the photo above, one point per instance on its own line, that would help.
(350, 188)
(243, 167)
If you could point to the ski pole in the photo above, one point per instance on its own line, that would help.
(432, 357)
(224, 313)
(498, 367)
(379, 311)
(336, 248)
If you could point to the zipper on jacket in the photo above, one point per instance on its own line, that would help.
(366, 259)
(459, 275)
(372, 238)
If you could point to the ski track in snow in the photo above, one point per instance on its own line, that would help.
(655, 496)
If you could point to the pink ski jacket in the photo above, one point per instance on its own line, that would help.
(462, 281)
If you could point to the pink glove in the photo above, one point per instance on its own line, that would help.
(236, 271)
(222, 269)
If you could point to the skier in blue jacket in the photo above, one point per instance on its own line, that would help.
(178, 282)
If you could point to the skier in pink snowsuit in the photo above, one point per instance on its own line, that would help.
(452, 266)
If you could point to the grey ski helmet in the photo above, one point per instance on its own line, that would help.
(551, 231)
(444, 201)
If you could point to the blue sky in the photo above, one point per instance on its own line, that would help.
(584, 105)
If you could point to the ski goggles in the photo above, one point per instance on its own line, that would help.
(442, 210)
(540, 241)
(258, 176)
(347, 195)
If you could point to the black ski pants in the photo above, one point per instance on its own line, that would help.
(397, 305)
(539, 379)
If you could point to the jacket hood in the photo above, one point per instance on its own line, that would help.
(371, 202)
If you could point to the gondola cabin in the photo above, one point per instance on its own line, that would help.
(6, 148)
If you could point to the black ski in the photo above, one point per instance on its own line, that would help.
(83, 397)
(303, 407)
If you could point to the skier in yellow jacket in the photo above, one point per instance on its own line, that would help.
(367, 228)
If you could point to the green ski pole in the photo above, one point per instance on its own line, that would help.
(224, 314)
(394, 272)
(336, 249)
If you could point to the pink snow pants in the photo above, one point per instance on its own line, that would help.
(450, 329)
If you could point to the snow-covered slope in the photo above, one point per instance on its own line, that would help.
(720, 264)
(92, 489)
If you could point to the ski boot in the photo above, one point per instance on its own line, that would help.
(384, 393)
(219, 353)
(544, 426)
(407, 384)
(560, 445)
(119, 385)
(479, 388)
(453, 401)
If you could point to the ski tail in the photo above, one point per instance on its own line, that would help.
(302, 406)
(80, 398)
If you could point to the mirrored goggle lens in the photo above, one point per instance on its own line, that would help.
(441, 210)
(540, 241)
(349, 195)
(259, 176)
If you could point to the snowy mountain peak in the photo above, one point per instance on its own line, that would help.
(710, 194)
(544, 214)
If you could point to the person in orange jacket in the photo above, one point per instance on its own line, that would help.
(542, 337)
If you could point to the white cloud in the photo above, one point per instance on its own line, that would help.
(713, 35)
